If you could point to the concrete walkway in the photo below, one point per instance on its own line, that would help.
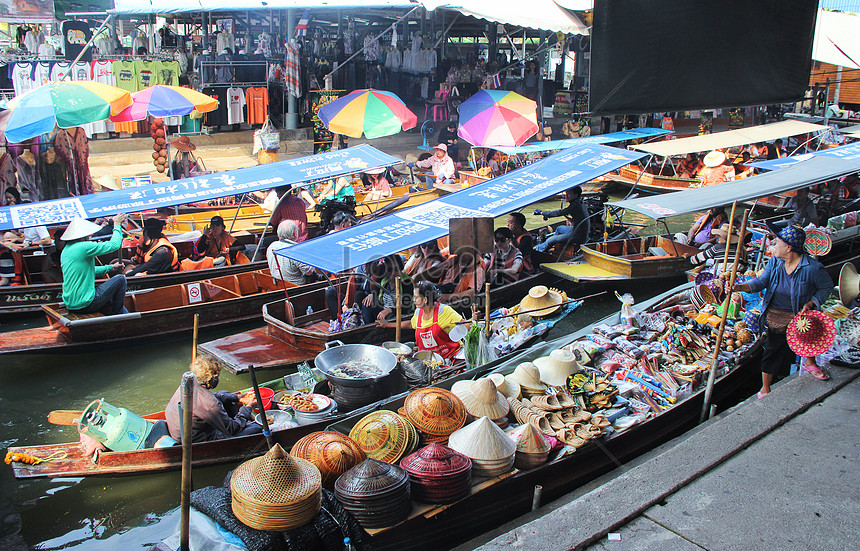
(776, 473)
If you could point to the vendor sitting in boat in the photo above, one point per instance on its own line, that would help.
(184, 163)
(217, 243)
(433, 321)
(285, 268)
(700, 234)
(719, 249)
(80, 293)
(506, 262)
(216, 415)
(378, 185)
(717, 169)
(154, 253)
(441, 164)
(578, 226)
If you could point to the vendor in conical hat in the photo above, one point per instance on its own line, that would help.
(184, 162)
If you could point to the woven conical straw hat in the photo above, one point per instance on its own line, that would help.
(483, 400)
(507, 386)
(435, 411)
(382, 435)
(543, 298)
(528, 376)
(331, 452)
(461, 388)
(555, 368)
(482, 440)
(276, 491)
(528, 439)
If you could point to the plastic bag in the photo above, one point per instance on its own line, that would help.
(270, 138)
(477, 347)
(628, 314)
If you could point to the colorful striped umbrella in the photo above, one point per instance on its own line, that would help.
(165, 101)
(65, 104)
(497, 118)
(374, 113)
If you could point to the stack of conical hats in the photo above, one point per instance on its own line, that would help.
(375, 493)
(528, 377)
(331, 452)
(438, 474)
(489, 448)
(555, 368)
(532, 447)
(435, 412)
(482, 400)
(276, 491)
(507, 386)
(384, 435)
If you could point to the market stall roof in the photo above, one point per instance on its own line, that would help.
(134, 7)
(536, 14)
(730, 138)
(807, 173)
(198, 188)
(836, 39)
(849, 152)
(407, 228)
(552, 145)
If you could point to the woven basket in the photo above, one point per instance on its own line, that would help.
(331, 452)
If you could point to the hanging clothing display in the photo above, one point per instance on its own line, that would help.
(167, 72)
(76, 34)
(218, 116)
(42, 72)
(144, 73)
(72, 147)
(21, 75)
(225, 40)
(235, 106)
(257, 100)
(45, 50)
(102, 71)
(28, 175)
(60, 69)
(82, 70)
(53, 174)
(224, 71)
(265, 43)
(124, 75)
(205, 69)
(7, 173)
(292, 70)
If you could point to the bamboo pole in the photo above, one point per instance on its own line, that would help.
(187, 424)
(194, 337)
(267, 432)
(398, 312)
(728, 237)
(712, 374)
(487, 309)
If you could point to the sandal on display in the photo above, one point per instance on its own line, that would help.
(816, 372)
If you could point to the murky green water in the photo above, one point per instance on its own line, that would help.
(128, 512)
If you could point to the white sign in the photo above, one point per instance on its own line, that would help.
(194, 294)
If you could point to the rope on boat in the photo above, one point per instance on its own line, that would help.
(32, 459)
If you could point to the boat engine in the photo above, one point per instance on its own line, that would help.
(327, 210)
(121, 430)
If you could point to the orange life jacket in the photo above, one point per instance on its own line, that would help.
(154, 246)
(18, 278)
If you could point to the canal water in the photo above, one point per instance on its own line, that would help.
(136, 511)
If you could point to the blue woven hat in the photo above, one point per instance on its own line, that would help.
(794, 236)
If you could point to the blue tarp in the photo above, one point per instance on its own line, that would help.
(624, 135)
(198, 188)
(849, 152)
(404, 229)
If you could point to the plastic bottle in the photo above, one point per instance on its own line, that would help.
(347, 545)
(310, 310)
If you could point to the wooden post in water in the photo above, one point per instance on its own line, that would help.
(398, 312)
(187, 424)
(487, 309)
(728, 238)
(194, 337)
(712, 374)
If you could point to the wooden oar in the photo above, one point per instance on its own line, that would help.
(67, 417)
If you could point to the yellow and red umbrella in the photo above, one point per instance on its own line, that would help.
(165, 101)
(374, 113)
(497, 118)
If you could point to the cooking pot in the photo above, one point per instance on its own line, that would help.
(337, 353)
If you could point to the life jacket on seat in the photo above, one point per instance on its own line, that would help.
(20, 268)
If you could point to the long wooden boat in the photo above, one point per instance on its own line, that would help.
(494, 501)
(155, 313)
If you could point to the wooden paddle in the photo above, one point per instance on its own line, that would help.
(67, 417)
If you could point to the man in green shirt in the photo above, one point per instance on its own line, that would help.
(79, 270)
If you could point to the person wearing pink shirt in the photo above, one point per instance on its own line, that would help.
(441, 164)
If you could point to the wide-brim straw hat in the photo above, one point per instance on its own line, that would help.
(714, 158)
(276, 491)
(811, 333)
(79, 228)
(382, 435)
(379, 170)
(183, 143)
(723, 231)
(483, 400)
(435, 411)
(555, 368)
(541, 301)
(508, 387)
(482, 440)
(528, 376)
(849, 284)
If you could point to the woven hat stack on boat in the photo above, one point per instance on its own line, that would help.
(507, 386)
(542, 301)
(385, 436)
(532, 446)
(331, 452)
(435, 412)
(527, 376)
(438, 474)
(276, 492)
(555, 368)
(490, 449)
(483, 400)
(375, 493)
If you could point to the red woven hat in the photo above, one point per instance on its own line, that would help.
(811, 333)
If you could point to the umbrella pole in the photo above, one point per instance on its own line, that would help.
(398, 312)
(729, 238)
(238, 208)
(88, 44)
(487, 309)
(712, 374)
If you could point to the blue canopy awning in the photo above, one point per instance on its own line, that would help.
(849, 152)
(404, 229)
(624, 135)
(198, 188)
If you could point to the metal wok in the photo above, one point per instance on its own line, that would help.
(337, 353)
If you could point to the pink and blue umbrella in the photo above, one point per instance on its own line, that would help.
(497, 118)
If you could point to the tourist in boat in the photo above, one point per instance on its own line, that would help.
(291, 207)
(215, 415)
(717, 169)
(184, 163)
(743, 168)
(340, 189)
(77, 260)
(793, 282)
(285, 268)
(448, 136)
(506, 262)
(433, 321)
(776, 151)
(690, 166)
(523, 239)
(425, 262)
(803, 210)
(759, 150)
(154, 253)
(577, 228)
(717, 252)
(341, 220)
(441, 164)
(378, 184)
(493, 162)
(465, 273)
(380, 301)
(701, 232)
(11, 267)
(217, 244)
